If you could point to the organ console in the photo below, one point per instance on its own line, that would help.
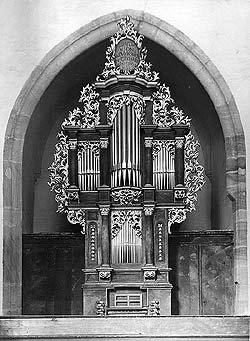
(126, 169)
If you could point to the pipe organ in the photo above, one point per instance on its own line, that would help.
(125, 170)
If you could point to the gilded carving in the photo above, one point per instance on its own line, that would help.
(164, 113)
(77, 216)
(159, 144)
(119, 218)
(59, 173)
(93, 146)
(116, 103)
(126, 196)
(126, 55)
(176, 215)
(88, 116)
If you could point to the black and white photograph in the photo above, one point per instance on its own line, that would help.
(124, 143)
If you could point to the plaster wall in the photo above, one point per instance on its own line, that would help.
(29, 29)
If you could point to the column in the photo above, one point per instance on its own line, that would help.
(105, 247)
(148, 165)
(104, 161)
(149, 235)
(73, 166)
(179, 160)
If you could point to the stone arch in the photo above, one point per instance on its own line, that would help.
(89, 35)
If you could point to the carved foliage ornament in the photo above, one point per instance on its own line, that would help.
(116, 103)
(88, 116)
(126, 55)
(126, 196)
(59, 173)
(194, 172)
(119, 218)
(164, 113)
(176, 215)
(59, 183)
(159, 144)
(193, 181)
(93, 146)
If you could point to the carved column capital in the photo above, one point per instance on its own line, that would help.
(179, 142)
(148, 142)
(72, 143)
(104, 142)
(104, 210)
(148, 209)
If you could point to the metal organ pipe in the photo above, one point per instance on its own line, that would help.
(88, 168)
(163, 167)
(126, 148)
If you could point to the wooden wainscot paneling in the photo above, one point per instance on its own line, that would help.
(52, 273)
(202, 272)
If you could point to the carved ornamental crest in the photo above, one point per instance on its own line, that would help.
(125, 56)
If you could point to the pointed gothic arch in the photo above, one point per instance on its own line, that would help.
(21, 116)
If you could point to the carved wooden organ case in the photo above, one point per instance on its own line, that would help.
(125, 169)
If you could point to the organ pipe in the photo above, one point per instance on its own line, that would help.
(88, 168)
(126, 149)
(164, 168)
(126, 246)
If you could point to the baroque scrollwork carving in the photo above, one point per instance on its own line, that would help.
(88, 116)
(126, 55)
(119, 218)
(116, 103)
(193, 182)
(93, 146)
(164, 113)
(59, 173)
(126, 196)
(73, 194)
(77, 216)
(159, 144)
(194, 172)
(176, 215)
